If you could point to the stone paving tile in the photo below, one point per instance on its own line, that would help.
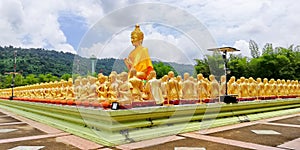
(27, 148)
(265, 132)
(7, 130)
(294, 144)
(245, 134)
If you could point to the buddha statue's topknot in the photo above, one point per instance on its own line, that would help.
(137, 31)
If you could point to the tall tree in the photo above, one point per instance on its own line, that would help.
(254, 49)
(268, 49)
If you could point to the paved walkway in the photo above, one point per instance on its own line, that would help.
(279, 133)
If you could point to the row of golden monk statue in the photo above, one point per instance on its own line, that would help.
(141, 84)
(127, 87)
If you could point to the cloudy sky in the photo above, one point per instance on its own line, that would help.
(79, 26)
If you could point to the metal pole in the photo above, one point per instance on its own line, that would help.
(225, 53)
(14, 75)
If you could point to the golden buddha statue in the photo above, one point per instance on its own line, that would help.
(153, 86)
(180, 82)
(172, 87)
(113, 86)
(92, 88)
(139, 58)
(244, 87)
(164, 81)
(260, 87)
(137, 85)
(233, 87)
(188, 89)
(252, 88)
(289, 87)
(102, 88)
(273, 87)
(223, 85)
(266, 88)
(124, 88)
(201, 87)
(214, 87)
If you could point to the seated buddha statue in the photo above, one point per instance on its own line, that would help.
(70, 95)
(102, 87)
(214, 87)
(244, 87)
(201, 90)
(92, 94)
(223, 85)
(273, 87)
(189, 89)
(124, 88)
(289, 87)
(180, 82)
(139, 58)
(260, 87)
(172, 87)
(266, 87)
(164, 81)
(252, 88)
(232, 86)
(155, 88)
(137, 85)
(113, 86)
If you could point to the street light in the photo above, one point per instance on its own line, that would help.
(14, 75)
(226, 98)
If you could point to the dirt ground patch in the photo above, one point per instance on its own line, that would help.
(191, 142)
(292, 120)
(8, 119)
(49, 143)
(245, 134)
(23, 130)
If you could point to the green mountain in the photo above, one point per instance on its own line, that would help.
(41, 61)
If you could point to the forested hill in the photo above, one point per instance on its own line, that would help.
(40, 61)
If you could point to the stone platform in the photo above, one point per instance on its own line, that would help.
(117, 127)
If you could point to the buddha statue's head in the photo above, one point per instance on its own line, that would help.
(223, 78)
(200, 76)
(170, 74)
(211, 77)
(137, 36)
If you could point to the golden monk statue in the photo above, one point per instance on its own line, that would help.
(137, 85)
(153, 86)
(172, 87)
(139, 58)
(102, 88)
(214, 87)
(124, 87)
(223, 85)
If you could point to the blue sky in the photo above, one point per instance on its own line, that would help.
(73, 27)
(62, 24)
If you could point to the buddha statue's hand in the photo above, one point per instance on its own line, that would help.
(128, 63)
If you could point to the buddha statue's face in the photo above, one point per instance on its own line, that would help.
(135, 40)
(137, 36)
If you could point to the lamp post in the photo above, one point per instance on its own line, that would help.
(14, 75)
(227, 98)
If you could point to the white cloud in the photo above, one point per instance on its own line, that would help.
(243, 46)
(34, 23)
